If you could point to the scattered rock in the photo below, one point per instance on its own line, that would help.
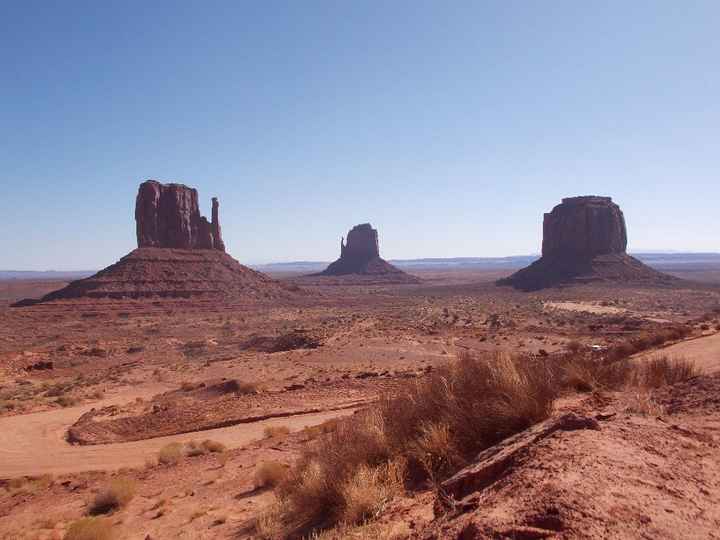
(41, 365)
(492, 463)
(297, 339)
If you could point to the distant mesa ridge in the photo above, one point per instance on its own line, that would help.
(360, 255)
(584, 239)
(180, 255)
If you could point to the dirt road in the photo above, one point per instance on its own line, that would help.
(34, 444)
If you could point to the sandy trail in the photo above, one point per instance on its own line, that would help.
(597, 309)
(34, 444)
(586, 307)
(703, 351)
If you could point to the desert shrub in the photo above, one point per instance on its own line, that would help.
(640, 401)
(366, 492)
(480, 401)
(586, 373)
(268, 525)
(22, 484)
(648, 340)
(90, 528)
(15, 483)
(574, 346)
(116, 494)
(67, 401)
(662, 371)
(423, 431)
(194, 448)
(213, 446)
(313, 432)
(270, 474)
(276, 432)
(170, 454)
(245, 388)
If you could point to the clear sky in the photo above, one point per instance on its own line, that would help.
(450, 126)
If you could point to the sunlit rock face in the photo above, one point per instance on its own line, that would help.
(168, 216)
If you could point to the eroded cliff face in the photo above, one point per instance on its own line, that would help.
(584, 226)
(168, 216)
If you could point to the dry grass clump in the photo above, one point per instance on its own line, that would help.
(648, 340)
(367, 491)
(276, 432)
(67, 401)
(585, 373)
(214, 447)
(118, 493)
(170, 454)
(662, 371)
(270, 474)
(194, 448)
(29, 485)
(423, 431)
(90, 528)
(245, 388)
(313, 432)
(472, 404)
(641, 402)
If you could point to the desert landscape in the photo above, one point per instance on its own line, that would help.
(369, 270)
(178, 393)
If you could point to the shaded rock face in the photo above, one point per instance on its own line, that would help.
(584, 239)
(362, 244)
(584, 226)
(168, 216)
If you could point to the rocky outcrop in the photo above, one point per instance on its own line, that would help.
(180, 255)
(584, 226)
(168, 216)
(584, 239)
(360, 256)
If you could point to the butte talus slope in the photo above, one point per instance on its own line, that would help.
(584, 239)
(180, 255)
(360, 256)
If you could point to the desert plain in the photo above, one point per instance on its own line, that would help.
(124, 392)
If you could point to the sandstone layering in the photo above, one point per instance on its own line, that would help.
(584, 239)
(360, 255)
(168, 216)
(180, 255)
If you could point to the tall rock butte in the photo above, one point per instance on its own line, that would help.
(179, 255)
(360, 255)
(584, 239)
(584, 226)
(168, 216)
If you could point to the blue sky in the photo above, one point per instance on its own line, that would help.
(451, 126)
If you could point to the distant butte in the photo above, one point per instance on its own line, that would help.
(360, 256)
(180, 255)
(584, 239)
